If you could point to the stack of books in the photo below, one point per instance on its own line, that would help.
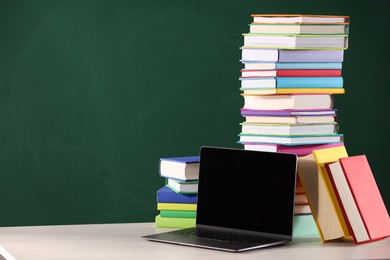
(343, 196)
(176, 200)
(291, 71)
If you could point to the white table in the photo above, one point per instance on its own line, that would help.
(123, 241)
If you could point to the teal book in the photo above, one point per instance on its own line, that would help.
(304, 225)
(291, 82)
(183, 187)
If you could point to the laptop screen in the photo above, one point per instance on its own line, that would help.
(247, 190)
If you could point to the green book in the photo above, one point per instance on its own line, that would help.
(178, 214)
(304, 225)
(184, 187)
(162, 222)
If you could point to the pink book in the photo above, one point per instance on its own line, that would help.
(299, 150)
(367, 196)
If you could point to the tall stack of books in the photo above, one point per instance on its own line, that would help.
(176, 200)
(291, 71)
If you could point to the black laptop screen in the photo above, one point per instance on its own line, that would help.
(247, 190)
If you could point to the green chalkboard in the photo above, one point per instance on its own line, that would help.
(93, 93)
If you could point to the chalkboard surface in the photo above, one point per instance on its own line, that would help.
(93, 93)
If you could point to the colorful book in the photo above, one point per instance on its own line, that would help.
(185, 187)
(320, 202)
(288, 129)
(285, 102)
(248, 73)
(299, 150)
(291, 82)
(176, 206)
(313, 28)
(288, 112)
(360, 198)
(181, 168)
(304, 226)
(287, 91)
(287, 56)
(300, 19)
(162, 222)
(296, 120)
(259, 65)
(177, 214)
(296, 41)
(291, 139)
(167, 195)
(328, 155)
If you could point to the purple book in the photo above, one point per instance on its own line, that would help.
(325, 112)
(311, 55)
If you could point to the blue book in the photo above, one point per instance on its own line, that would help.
(292, 82)
(166, 195)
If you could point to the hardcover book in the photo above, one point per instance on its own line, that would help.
(299, 150)
(181, 168)
(322, 157)
(288, 102)
(289, 56)
(291, 82)
(262, 65)
(176, 206)
(296, 41)
(320, 201)
(360, 199)
(167, 195)
(300, 18)
(291, 139)
(167, 222)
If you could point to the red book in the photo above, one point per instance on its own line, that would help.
(246, 73)
(367, 196)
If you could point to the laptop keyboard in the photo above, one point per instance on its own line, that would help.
(226, 236)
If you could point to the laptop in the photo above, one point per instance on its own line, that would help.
(245, 201)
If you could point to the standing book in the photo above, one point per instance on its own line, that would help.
(324, 214)
(360, 197)
(328, 155)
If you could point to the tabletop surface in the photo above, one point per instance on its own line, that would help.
(124, 241)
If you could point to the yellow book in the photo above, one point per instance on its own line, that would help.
(176, 206)
(272, 91)
(324, 214)
(329, 155)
